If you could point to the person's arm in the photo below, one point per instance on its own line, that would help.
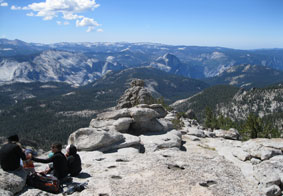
(21, 153)
(49, 160)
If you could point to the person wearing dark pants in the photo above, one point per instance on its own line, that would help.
(74, 160)
(60, 166)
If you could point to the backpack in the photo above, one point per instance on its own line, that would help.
(46, 183)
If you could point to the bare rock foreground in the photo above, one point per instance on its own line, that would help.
(133, 151)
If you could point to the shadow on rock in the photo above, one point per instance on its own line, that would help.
(183, 148)
(83, 175)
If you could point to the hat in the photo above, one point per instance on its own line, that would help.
(13, 138)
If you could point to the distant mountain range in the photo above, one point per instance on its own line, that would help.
(247, 76)
(83, 63)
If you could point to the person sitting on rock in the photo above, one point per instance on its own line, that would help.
(60, 166)
(74, 160)
(11, 154)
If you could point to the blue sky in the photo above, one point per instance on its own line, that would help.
(244, 24)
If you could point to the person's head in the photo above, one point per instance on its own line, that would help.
(50, 154)
(71, 150)
(56, 147)
(13, 138)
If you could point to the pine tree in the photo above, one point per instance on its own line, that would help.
(253, 126)
(210, 120)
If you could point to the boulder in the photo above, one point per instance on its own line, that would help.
(159, 109)
(128, 141)
(276, 143)
(209, 134)
(241, 154)
(12, 182)
(263, 148)
(95, 123)
(269, 172)
(267, 153)
(171, 139)
(142, 114)
(263, 153)
(138, 128)
(196, 132)
(278, 162)
(156, 107)
(122, 124)
(171, 116)
(90, 139)
(167, 124)
(232, 134)
(115, 114)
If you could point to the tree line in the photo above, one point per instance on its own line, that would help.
(252, 127)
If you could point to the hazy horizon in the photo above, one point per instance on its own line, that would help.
(165, 44)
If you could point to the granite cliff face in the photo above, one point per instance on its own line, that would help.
(261, 101)
(137, 151)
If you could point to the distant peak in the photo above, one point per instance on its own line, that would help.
(168, 55)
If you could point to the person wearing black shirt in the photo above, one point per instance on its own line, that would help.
(74, 160)
(11, 153)
(60, 166)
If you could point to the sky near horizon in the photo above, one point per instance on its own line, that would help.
(241, 24)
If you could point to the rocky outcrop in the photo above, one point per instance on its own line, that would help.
(232, 134)
(136, 120)
(111, 129)
(136, 151)
(260, 160)
(90, 139)
(172, 139)
(270, 175)
(135, 95)
(12, 182)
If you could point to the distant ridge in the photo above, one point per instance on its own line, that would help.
(247, 76)
(83, 63)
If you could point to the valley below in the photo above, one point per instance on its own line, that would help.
(148, 119)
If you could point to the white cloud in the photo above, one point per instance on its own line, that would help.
(89, 29)
(87, 22)
(65, 9)
(4, 4)
(62, 23)
(70, 16)
(99, 30)
(15, 8)
(30, 14)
